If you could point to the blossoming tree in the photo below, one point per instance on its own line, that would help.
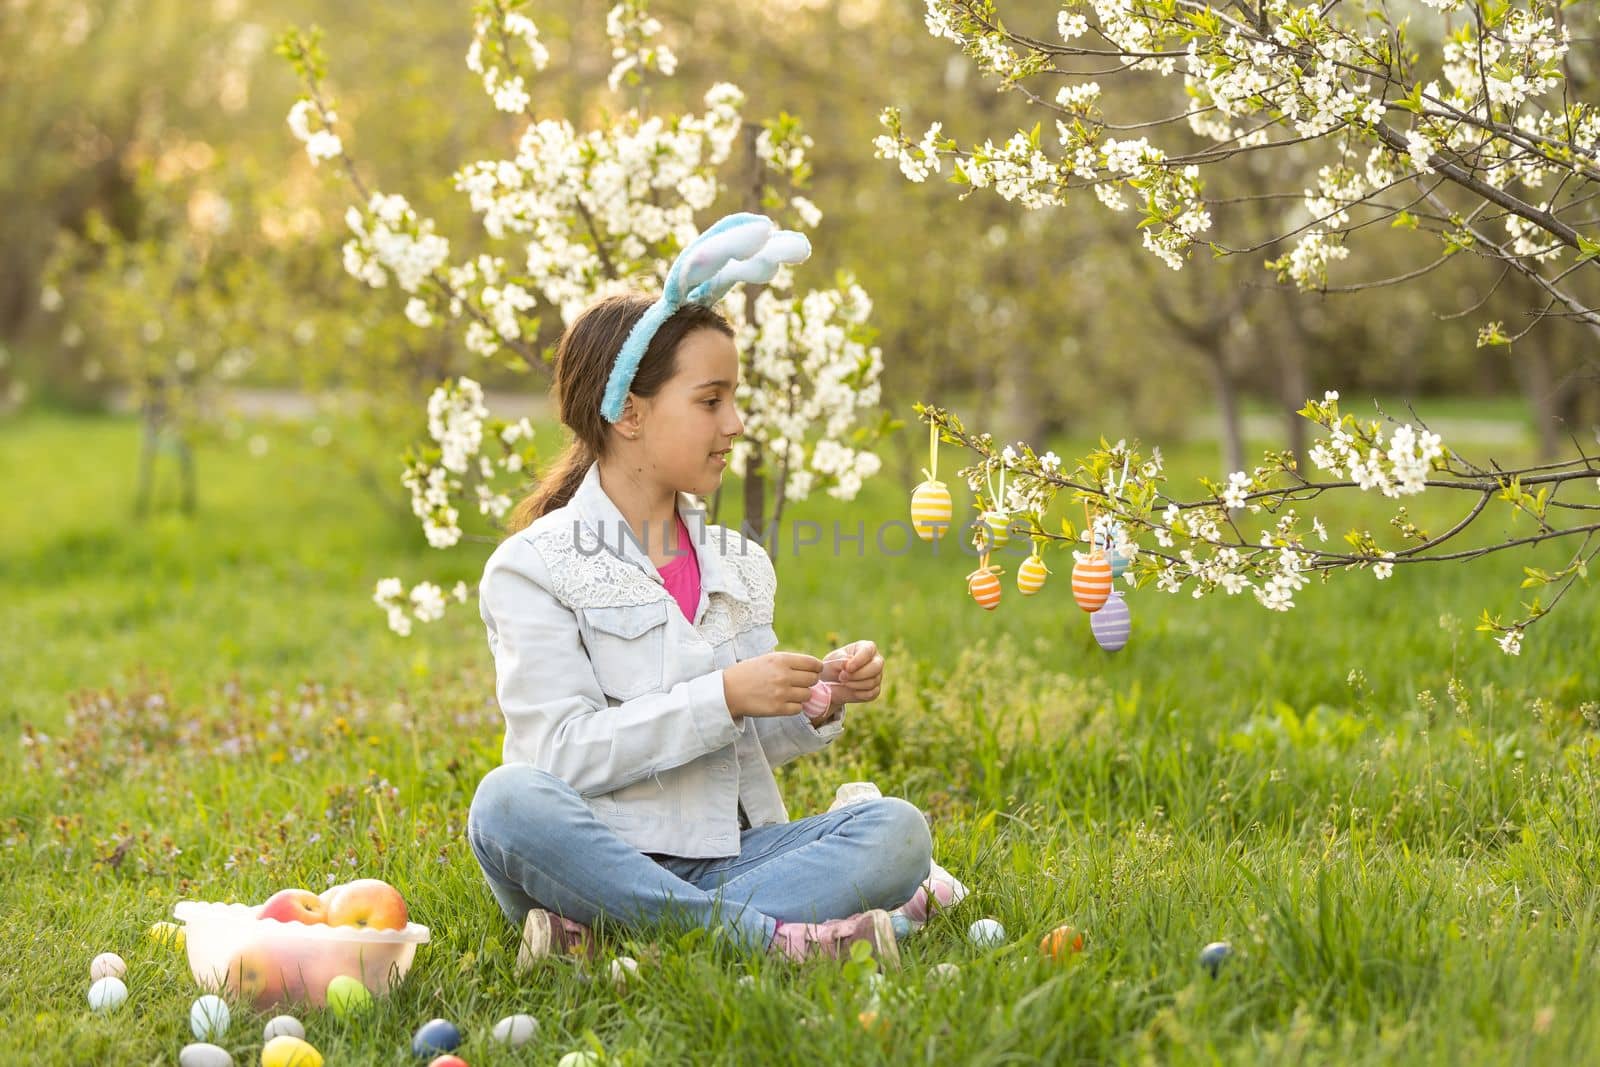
(582, 214)
(1460, 126)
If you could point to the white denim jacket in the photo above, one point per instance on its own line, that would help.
(605, 683)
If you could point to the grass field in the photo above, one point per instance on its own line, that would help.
(1395, 825)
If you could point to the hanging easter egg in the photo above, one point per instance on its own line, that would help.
(1091, 581)
(998, 523)
(984, 585)
(1119, 561)
(1112, 623)
(930, 510)
(1031, 575)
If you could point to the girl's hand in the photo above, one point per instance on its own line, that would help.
(770, 685)
(856, 671)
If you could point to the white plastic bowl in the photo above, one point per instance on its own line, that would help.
(266, 961)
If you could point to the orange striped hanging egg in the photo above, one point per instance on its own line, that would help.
(930, 510)
(1031, 575)
(984, 585)
(1091, 581)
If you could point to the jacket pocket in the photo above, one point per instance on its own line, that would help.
(627, 646)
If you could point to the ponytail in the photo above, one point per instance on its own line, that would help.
(560, 481)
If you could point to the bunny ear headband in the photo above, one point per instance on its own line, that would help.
(742, 247)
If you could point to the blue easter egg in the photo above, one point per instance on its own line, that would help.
(434, 1036)
(1214, 955)
(1112, 623)
(902, 927)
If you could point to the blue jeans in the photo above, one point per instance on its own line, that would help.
(541, 847)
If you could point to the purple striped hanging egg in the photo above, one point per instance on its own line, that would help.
(1112, 623)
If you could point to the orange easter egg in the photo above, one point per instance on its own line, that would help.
(930, 510)
(1031, 575)
(1062, 943)
(1091, 581)
(985, 588)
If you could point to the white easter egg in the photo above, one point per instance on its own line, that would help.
(108, 965)
(943, 974)
(283, 1026)
(623, 968)
(746, 980)
(516, 1029)
(204, 1055)
(986, 933)
(107, 994)
(580, 1058)
(209, 1017)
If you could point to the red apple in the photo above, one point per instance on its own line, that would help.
(254, 975)
(294, 906)
(368, 903)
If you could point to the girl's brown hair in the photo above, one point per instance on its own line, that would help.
(584, 357)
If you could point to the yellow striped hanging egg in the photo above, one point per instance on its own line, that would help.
(999, 526)
(984, 585)
(1091, 581)
(1031, 575)
(930, 510)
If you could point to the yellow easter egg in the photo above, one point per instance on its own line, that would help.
(286, 1051)
(165, 933)
(930, 510)
(999, 524)
(984, 585)
(1091, 581)
(1031, 575)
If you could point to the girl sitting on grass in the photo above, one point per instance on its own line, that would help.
(646, 703)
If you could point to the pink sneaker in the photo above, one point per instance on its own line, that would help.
(832, 939)
(941, 890)
(544, 933)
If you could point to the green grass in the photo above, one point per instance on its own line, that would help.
(1394, 824)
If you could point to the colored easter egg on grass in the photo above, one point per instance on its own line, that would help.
(1112, 624)
(1091, 581)
(282, 1026)
(209, 1018)
(107, 994)
(516, 1029)
(107, 965)
(286, 1051)
(203, 1054)
(1062, 943)
(347, 996)
(435, 1035)
(1214, 955)
(165, 933)
(931, 510)
(986, 933)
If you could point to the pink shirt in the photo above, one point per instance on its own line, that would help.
(681, 574)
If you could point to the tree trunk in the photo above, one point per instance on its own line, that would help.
(1230, 436)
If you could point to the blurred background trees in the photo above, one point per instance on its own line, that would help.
(161, 186)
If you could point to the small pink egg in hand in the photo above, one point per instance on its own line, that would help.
(819, 702)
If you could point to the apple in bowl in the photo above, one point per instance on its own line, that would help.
(367, 903)
(294, 906)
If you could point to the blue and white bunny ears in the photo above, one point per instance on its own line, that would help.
(741, 247)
